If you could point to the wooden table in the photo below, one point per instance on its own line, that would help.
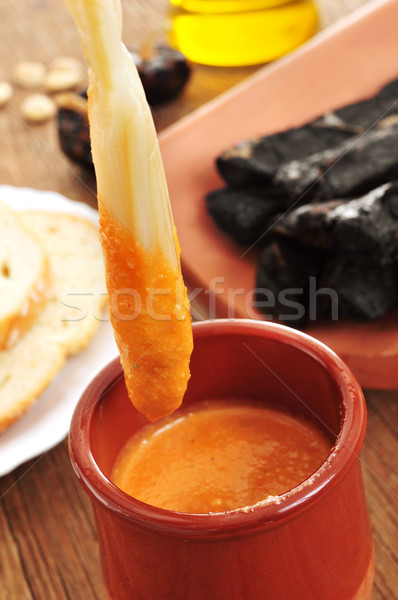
(48, 545)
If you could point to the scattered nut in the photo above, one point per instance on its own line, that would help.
(37, 108)
(28, 74)
(5, 92)
(59, 80)
(72, 101)
(65, 62)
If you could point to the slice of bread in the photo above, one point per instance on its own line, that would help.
(25, 371)
(76, 297)
(23, 277)
(77, 294)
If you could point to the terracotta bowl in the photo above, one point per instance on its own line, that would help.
(312, 542)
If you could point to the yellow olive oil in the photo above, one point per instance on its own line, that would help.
(240, 32)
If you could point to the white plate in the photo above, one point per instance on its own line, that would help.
(47, 422)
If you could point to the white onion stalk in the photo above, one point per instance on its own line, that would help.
(129, 170)
(137, 231)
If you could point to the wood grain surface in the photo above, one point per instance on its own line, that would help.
(48, 543)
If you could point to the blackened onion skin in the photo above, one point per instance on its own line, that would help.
(164, 73)
(74, 135)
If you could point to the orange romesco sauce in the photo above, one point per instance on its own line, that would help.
(220, 455)
(149, 311)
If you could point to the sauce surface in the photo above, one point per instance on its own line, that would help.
(219, 456)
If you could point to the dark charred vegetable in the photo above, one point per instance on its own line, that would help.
(322, 200)
(367, 224)
(310, 223)
(349, 169)
(256, 161)
(244, 216)
(366, 114)
(365, 288)
(164, 73)
(351, 248)
(286, 271)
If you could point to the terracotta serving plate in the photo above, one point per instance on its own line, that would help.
(348, 62)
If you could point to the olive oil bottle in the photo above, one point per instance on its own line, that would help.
(240, 32)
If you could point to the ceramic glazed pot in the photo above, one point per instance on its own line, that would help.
(314, 542)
